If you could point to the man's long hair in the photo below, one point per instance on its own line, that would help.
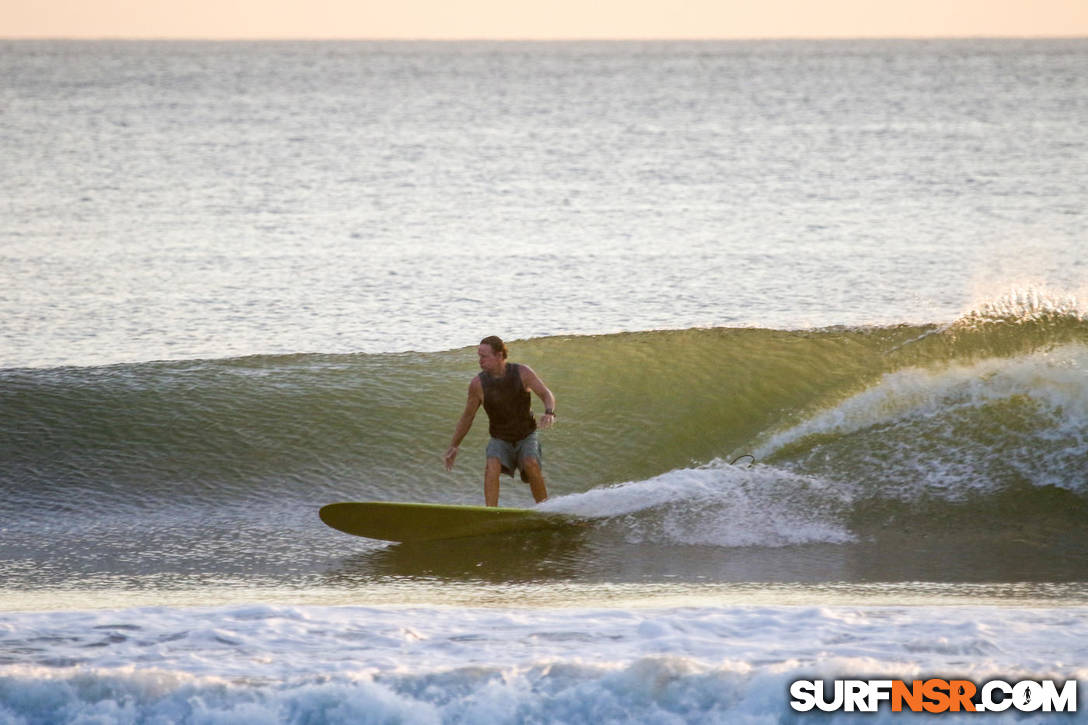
(497, 345)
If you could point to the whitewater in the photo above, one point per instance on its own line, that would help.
(402, 664)
(814, 313)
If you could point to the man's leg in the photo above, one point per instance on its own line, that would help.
(531, 467)
(491, 481)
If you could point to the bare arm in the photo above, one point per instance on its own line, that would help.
(464, 423)
(533, 382)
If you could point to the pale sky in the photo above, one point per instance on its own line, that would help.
(541, 19)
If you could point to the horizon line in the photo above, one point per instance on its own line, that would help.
(577, 39)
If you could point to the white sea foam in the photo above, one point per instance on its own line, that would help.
(1056, 378)
(1051, 385)
(438, 664)
(719, 505)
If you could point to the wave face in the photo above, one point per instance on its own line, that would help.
(980, 426)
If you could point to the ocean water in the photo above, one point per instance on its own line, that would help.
(814, 313)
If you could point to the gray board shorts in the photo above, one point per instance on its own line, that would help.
(511, 455)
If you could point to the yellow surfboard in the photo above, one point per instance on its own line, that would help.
(392, 521)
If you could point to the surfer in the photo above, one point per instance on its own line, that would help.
(503, 389)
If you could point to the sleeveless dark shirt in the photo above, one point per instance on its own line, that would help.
(507, 404)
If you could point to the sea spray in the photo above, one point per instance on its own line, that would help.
(954, 428)
(718, 505)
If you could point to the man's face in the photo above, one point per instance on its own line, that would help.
(490, 361)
